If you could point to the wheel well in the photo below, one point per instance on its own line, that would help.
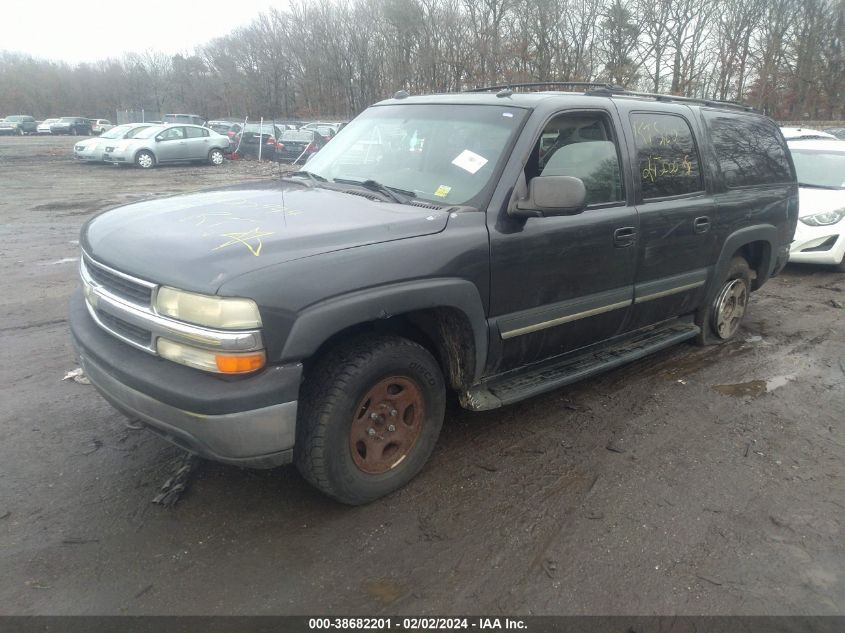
(445, 332)
(758, 255)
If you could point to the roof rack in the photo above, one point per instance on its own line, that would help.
(589, 85)
(610, 90)
(715, 103)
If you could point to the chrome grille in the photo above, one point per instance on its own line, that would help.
(119, 285)
(124, 329)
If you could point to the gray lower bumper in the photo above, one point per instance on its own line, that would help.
(259, 438)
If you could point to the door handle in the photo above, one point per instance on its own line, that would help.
(701, 225)
(624, 236)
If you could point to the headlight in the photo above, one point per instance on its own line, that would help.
(824, 219)
(218, 312)
(210, 361)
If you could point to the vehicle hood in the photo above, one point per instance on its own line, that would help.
(199, 241)
(90, 143)
(812, 201)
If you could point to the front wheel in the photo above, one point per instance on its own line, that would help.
(721, 319)
(145, 160)
(215, 157)
(370, 415)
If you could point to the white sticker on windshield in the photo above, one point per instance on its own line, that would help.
(469, 161)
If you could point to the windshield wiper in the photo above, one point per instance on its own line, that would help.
(394, 193)
(812, 186)
(314, 178)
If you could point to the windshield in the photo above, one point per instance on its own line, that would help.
(118, 131)
(148, 132)
(297, 136)
(14, 118)
(820, 168)
(443, 153)
(220, 127)
(255, 127)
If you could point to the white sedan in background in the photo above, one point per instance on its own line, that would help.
(820, 235)
(44, 126)
(93, 149)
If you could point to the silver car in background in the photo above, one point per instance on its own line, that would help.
(168, 143)
(92, 150)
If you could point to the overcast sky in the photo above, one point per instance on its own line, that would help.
(88, 31)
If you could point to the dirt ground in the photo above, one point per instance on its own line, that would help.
(698, 481)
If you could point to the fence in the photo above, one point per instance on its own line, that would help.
(137, 116)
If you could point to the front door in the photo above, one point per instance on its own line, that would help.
(171, 145)
(562, 283)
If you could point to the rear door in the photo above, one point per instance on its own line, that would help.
(198, 142)
(677, 213)
(563, 283)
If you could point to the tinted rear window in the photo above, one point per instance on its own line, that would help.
(749, 149)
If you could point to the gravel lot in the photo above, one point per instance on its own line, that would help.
(698, 481)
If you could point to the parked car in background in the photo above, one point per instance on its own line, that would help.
(820, 236)
(193, 119)
(795, 133)
(167, 144)
(838, 132)
(74, 125)
(226, 128)
(325, 129)
(297, 146)
(19, 124)
(44, 126)
(98, 126)
(93, 150)
(253, 135)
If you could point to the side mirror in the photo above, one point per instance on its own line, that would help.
(551, 196)
(158, 139)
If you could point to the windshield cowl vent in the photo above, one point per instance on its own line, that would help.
(368, 196)
(424, 205)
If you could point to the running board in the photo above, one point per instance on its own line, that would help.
(557, 372)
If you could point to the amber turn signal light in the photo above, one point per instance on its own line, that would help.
(239, 364)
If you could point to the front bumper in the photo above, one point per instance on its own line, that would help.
(249, 421)
(818, 244)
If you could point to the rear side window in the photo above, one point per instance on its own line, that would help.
(666, 155)
(195, 132)
(749, 149)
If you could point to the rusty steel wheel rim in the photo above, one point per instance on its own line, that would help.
(386, 424)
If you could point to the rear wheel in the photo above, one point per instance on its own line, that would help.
(215, 157)
(145, 160)
(721, 319)
(370, 415)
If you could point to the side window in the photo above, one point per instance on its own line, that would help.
(748, 148)
(667, 157)
(580, 145)
(194, 132)
(173, 134)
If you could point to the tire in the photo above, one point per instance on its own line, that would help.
(840, 267)
(216, 157)
(343, 446)
(145, 159)
(721, 318)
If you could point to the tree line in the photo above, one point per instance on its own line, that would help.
(321, 58)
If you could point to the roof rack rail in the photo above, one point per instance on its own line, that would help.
(549, 84)
(592, 88)
(716, 103)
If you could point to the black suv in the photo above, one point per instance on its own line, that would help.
(494, 245)
(75, 125)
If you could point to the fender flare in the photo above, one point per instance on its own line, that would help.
(758, 233)
(319, 322)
